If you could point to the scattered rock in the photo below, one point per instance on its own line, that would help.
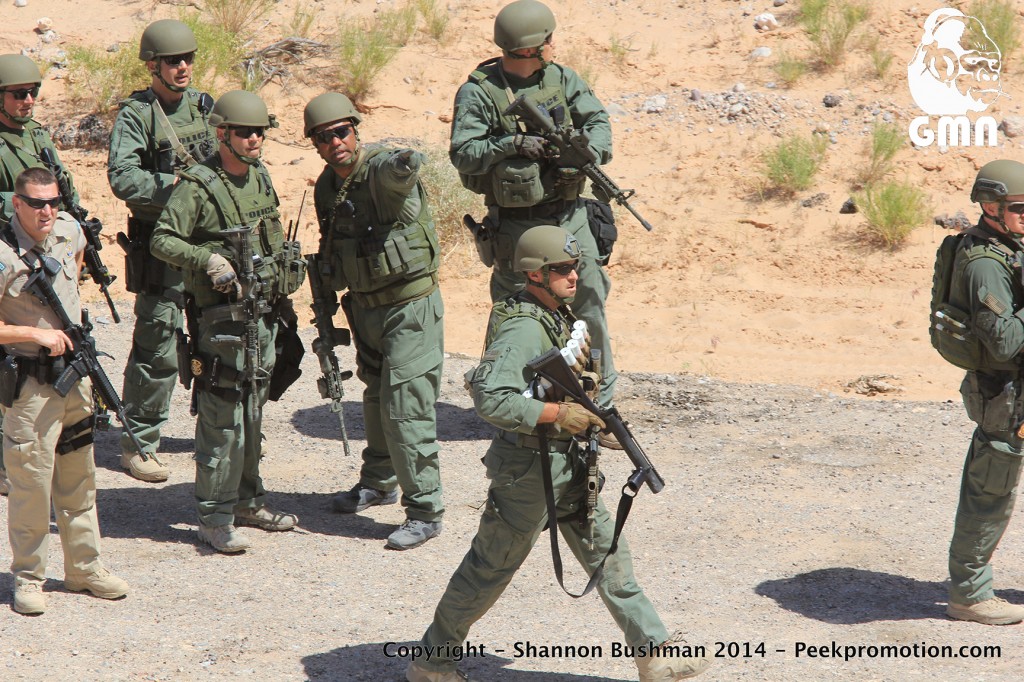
(874, 384)
(761, 53)
(958, 221)
(778, 3)
(48, 36)
(88, 132)
(655, 104)
(739, 87)
(695, 95)
(1012, 126)
(849, 206)
(44, 24)
(113, 47)
(20, 3)
(817, 200)
(616, 109)
(766, 22)
(831, 101)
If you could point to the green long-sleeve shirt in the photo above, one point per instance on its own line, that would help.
(19, 150)
(140, 164)
(479, 140)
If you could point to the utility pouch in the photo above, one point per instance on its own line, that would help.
(989, 404)
(293, 270)
(517, 183)
(289, 349)
(10, 382)
(602, 226)
(184, 350)
(134, 263)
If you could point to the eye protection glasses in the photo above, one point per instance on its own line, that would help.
(247, 131)
(325, 136)
(39, 204)
(564, 268)
(176, 59)
(23, 93)
(1016, 207)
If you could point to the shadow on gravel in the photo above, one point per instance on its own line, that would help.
(367, 663)
(454, 423)
(848, 596)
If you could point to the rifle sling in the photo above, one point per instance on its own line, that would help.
(621, 514)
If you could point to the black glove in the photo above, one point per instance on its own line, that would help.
(532, 147)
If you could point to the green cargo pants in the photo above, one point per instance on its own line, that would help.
(592, 288)
(988, 490)
(512, 521)
(152, 369)
(400, 352)
(228, 436)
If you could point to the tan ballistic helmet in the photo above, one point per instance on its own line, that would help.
(997, 180)
(523, 24)
(328, 108)
(16, 69)
(241, 108)
(165, 38)
(544, 245)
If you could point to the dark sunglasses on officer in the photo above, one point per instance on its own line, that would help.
(564, 269)
(325, 136)
(38, 203)
(23, 93)
(1016, 207)
(247, 131)
(177, 59)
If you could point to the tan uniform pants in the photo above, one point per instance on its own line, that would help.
(32, 427)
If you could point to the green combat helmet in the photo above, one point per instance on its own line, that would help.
(166, 38)
(542, 246)
(241, 108)
(328, 108)
(16, 69)
(995, 181)
(521, 25)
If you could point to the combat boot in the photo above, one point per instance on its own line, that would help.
(225, 539)
(414, 673)
(361, 497)
(672, 665)
(101, 583)
(152, 470)
(413, 533)
(28, 596)
(266, 518)
(994, 611)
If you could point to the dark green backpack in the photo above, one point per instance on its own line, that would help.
(950, 330)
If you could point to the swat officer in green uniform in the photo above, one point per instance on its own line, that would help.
(521, 328)
(510, 165)
(377, 240)
(986, 283)
(158, 132)
(222, 227)
(21, 141)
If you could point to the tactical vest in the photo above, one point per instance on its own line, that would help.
(556, 324)
(197, 136)
(951, 330)
(380, 264)
(518, 182)
(17, 158)
(259, 212)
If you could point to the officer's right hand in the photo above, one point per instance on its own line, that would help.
(221, 274)
(576, 419)
(55, 341)
(532, 147)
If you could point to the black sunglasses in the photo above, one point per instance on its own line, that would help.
(23, 93)
(325, 136)
(564, 268)
(175, 59)
(1016, 207)
(39, 203)
(248, 131)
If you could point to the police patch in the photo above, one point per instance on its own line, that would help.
(197, 367)
(994, 304)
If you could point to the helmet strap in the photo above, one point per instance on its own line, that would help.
(158, 72)
(21, 120)
(546, 286)
(247, 160)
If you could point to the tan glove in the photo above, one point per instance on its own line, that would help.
(576, 419)
(222, 275)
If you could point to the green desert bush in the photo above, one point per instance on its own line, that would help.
(1002, 23)
(449, 200)
(365, 47)
(791, 165)
(893, 210)
(886, 140)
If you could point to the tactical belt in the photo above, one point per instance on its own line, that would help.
(397, 294)
(549, 209)
(524, 440)
(229, 312)
(44, 369)
(76, 436)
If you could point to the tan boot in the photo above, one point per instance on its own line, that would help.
(28, 596)
(415, 673)
(266, 518)
(101, 583)
(676, 660)
(994, 611)
(151, 470)
(225, 539)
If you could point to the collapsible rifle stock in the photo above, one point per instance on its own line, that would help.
(574, 151)
(91, 227)
(553, 367)
(82, 361)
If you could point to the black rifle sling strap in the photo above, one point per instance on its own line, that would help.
(621, 514)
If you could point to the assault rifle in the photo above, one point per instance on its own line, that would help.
(82, 361)
(90, 227)
(253, 307)
(325, 306)
(553, 367)
(574, 151)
